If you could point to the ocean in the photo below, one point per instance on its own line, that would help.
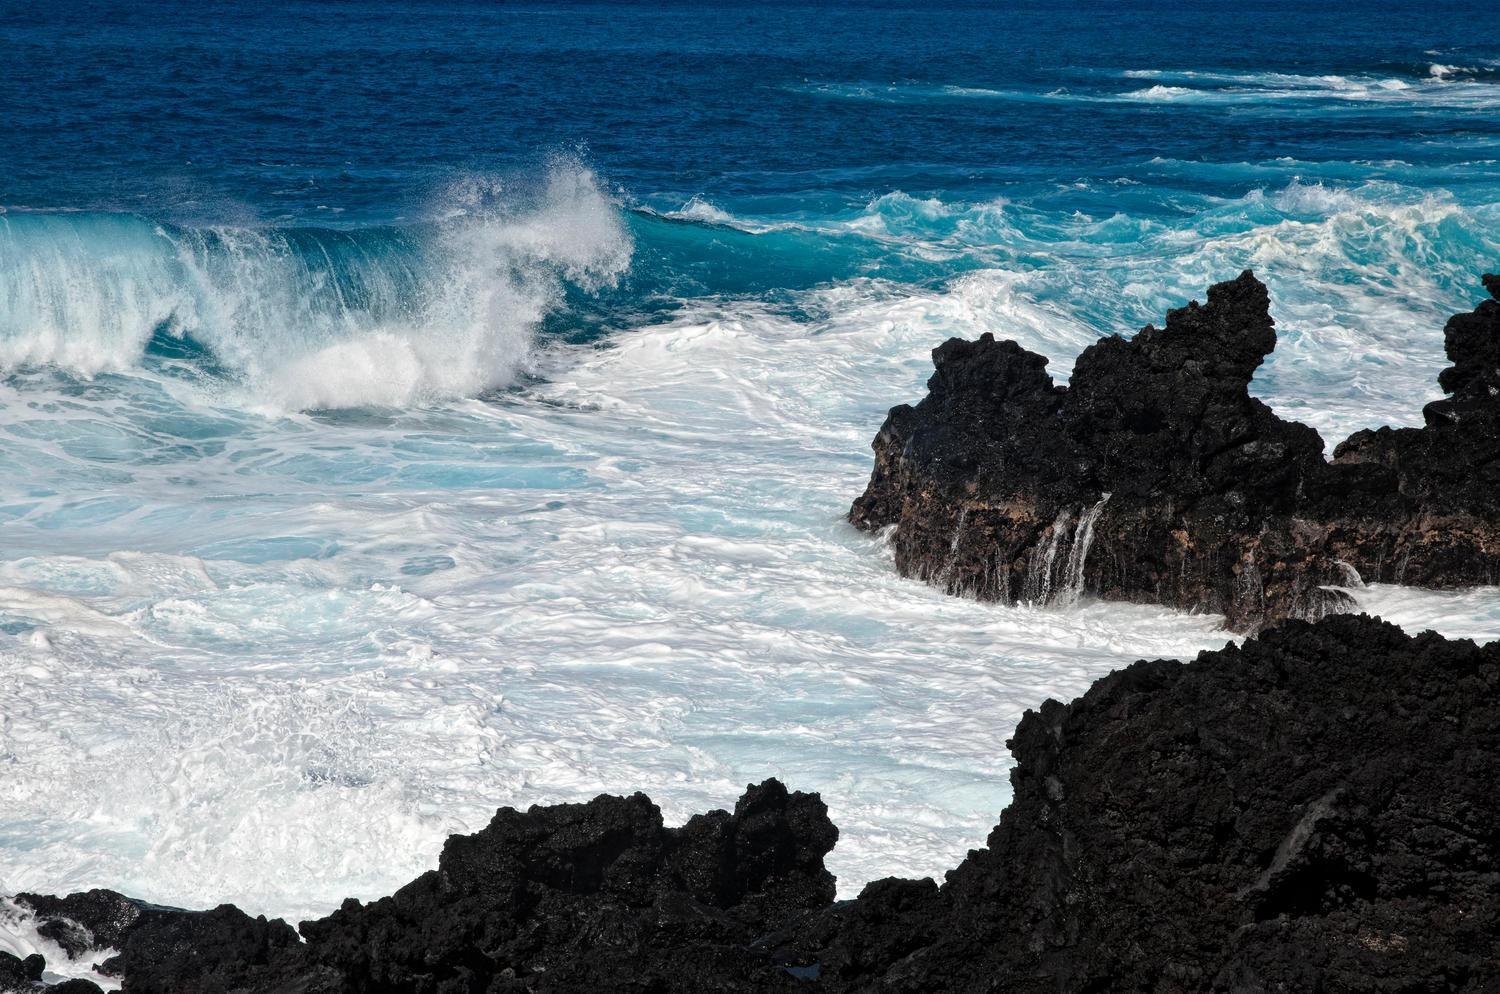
(408, 409)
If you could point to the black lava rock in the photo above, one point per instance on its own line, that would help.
(96, 919)
(598, 896)
(20, 974)
(1155, 476)
(1317, 810)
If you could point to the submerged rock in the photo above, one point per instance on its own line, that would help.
(1155, 476)
(95, 919)
(1318, 810)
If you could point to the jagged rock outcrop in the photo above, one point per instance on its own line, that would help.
(1313, 811)
(1421, 506)
(1317, 810)
(1155, 476)
(572, 897)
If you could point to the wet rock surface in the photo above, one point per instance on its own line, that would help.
(1317, 810)
(1154, 476)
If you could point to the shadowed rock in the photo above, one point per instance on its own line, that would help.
(1156, 477)
(19, 974)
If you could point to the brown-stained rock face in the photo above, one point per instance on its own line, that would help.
(1156, 477)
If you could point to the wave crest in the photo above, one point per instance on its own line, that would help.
(309, 318)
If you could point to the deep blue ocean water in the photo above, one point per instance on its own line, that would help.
(408, 408)
(310, 113)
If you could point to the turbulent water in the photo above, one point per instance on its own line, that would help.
(415, 411)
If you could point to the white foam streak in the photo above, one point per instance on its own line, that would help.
(1444, 90)
(1440, 90)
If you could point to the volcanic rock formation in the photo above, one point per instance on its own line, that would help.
(1313, 811)
(573, 897)
(1154, 475)
(1317, 810)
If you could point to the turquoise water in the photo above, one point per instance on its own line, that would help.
(415, 408)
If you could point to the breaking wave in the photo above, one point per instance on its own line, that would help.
(306, 318)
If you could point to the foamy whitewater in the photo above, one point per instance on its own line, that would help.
(323, 540)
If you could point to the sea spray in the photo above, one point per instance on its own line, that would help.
(305, 318)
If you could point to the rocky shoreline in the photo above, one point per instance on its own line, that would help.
(1154, 476)
(1313, 810)
(1317, 809)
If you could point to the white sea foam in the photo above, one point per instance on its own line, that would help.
(1331, 91)
(19, 937)
(275, 660)
(698, 209)
(1473, 613)
(670, 601)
